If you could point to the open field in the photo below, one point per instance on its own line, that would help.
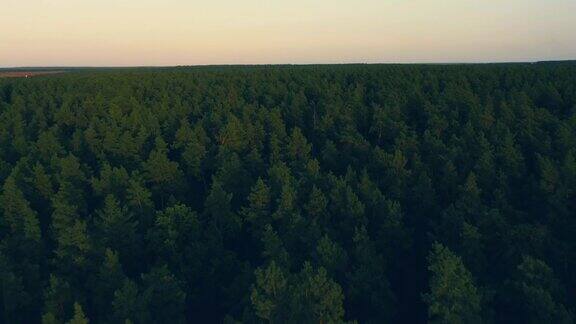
(25, 74)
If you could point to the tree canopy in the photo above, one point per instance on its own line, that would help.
(290, 194)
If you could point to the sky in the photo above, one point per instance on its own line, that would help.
(192, 32)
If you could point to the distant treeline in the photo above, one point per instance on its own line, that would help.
(290, 194)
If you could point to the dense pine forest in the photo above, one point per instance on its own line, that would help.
(290, 194)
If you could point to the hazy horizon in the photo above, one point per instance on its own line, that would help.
(277, 64)
(129, 33)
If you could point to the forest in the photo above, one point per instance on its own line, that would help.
(290, 194)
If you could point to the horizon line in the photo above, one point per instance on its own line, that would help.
(285, 64)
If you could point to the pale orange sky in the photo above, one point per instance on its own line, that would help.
(189, 32)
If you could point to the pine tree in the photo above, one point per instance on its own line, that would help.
(316, 205)
(258, 211)
(13, 297)
(21, 255)
(49, 318)
(138, 196)
(268, 294)
(70, 231)
(176, 238)
(164, 174)
(232, 135)
(273, 247)
(128, 304)
(331, 256)
(218, 210)
(307, 297)
(117, 228)
(453, 297)
(320, 298)
(112, 181)
(195, 149)
(298, 149)
(368, 290)
(108, 279)
(18, 217)
(79, 317)
(163, 295)
(43, 182)
(537, 296)
(58, 299)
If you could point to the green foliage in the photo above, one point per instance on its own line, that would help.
(268, 294)
(368, 288)
(453, 297)
(79, 317)
(127, 304)
(18, 217)
(307, 297)
(109, 278)
(163, 296)
(12, 295)
(331, 256)
(290, 194)
(218, 210)
(258, 209)
(116, 227)
(539, 294)
(49, 318)
(164, 174)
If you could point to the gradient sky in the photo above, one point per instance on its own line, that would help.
(188, 32)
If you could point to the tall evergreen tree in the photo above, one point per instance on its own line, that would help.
(453, 296)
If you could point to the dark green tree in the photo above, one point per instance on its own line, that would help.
(453, 296)
(538, 297)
